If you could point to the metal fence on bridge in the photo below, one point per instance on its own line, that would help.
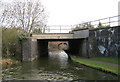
(109, 21)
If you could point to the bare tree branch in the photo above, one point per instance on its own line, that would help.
(28, 14)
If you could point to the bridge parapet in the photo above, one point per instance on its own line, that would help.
(53, 36)
(81, 34)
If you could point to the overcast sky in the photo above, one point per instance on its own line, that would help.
(71, 12)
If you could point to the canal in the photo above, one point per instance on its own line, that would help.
(54, 67)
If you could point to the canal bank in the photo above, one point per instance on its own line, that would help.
(99, 65)
(8, 62)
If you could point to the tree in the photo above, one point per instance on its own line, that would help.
(83, 26)
(103, 26)
(28, 14)
(10, 42)
(86, 25)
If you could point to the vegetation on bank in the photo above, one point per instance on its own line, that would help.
(111, 60)
(12, 42)
(6, 62)
(11, 46)
(103, 66)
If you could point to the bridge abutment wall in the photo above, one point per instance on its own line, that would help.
(101, 42)
(78, 47)
(29, 49)
(104, 42)
(32, 49)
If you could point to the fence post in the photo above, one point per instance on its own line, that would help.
(99, 24)
(90, 24)
(60, 28)
(109, 20)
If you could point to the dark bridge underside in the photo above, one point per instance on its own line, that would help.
(54, 39)
(76, 46)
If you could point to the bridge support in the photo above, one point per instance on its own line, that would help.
(78, 47)
(32, 48)
(29, 49)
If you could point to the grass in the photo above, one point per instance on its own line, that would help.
(111, 60)
(102, 66)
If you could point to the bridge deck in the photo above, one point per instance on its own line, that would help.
(53, 36)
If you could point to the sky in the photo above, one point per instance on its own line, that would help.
(71, 12)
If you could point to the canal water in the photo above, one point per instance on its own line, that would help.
(54, 67)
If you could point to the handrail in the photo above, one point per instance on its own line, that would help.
(94, 23)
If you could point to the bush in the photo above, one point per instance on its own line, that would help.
(11, 43)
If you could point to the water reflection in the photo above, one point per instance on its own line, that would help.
(58, 58)
(54, 67)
